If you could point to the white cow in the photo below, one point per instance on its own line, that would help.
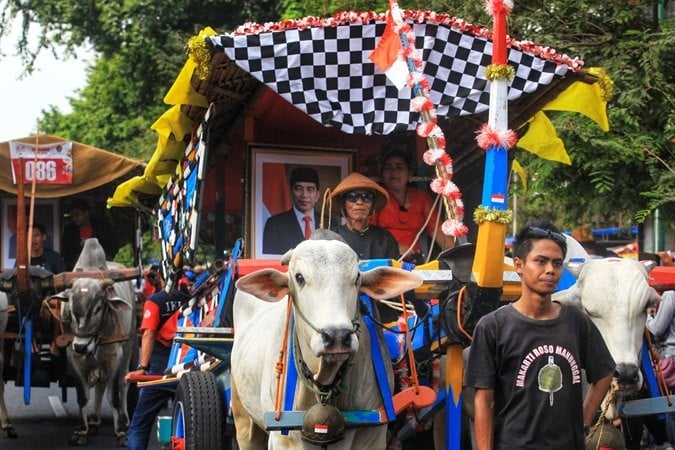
(323, 281)
(615, 294)
(101, 317)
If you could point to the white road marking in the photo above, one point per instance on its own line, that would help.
(57, 406)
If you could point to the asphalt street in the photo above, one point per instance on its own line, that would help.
(47, 422)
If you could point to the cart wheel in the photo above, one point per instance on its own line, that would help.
(197, 413)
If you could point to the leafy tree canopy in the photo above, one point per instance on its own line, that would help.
(623, 173)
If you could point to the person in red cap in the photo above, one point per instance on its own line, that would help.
(160, 318)
(285, 230)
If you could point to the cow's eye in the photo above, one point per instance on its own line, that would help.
(358, 279)
(300, 279)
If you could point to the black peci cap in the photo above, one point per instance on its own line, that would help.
(306, 174)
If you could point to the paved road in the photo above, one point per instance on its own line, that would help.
(47, 422)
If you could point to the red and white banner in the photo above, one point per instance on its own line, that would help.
(47, 164)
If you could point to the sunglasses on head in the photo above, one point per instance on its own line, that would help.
(353, 197)
(540, 233)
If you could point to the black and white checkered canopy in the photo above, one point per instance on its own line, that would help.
(325, 71)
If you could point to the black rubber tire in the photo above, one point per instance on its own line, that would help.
(198, 416)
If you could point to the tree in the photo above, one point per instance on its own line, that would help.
(140, 51)
(627, 171)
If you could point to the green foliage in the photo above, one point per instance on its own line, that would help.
(614, 177)
(151, 251)
(139, 47)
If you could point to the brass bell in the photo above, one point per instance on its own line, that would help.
(323, 424)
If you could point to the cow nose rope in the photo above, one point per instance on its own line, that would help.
(599, 426)
(298, 310)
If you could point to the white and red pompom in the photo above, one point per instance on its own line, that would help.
(487, 137)
(494, 7)
(454, 228)
(432, 155)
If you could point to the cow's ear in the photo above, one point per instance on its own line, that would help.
(649, 264)
(64, 296)
(118, 304)
(286, 258)
(575, 265)
(568, 296)
(269, 285)
(387, 282)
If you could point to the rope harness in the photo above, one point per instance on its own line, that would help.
(64, 338)
(324, 393)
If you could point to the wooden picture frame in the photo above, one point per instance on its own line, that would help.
(268, 191)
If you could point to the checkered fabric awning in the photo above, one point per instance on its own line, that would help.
(325, 71)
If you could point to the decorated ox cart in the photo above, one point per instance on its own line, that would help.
(253, 104)
(40, 175)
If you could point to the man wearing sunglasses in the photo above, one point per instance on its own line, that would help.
(526, 358)
(285, 230)
(356, 198)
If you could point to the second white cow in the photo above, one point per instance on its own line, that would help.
(615, 294)
(323, 281)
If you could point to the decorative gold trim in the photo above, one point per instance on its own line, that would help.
(197, 50)
(499, 72)
(482, 214)
(605, 82)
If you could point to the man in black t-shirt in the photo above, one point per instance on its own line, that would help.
(526, 358)
(42, 256)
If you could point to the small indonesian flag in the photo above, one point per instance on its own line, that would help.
(498, 198)
(321, 428)
(386, 54)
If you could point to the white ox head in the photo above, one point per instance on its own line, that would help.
(324, 280)
(615, 294)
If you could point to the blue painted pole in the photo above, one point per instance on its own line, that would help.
(27, 358)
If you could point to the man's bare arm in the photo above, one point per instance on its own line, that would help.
(596, 392)
(484, 403)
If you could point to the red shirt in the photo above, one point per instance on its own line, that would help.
(405, 225)
(86, 231)
(162, 317)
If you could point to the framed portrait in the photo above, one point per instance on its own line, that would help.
(268, 188)
(46, 212)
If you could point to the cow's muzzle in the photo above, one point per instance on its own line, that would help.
(82, 346)
(338, 341)
(627, 376)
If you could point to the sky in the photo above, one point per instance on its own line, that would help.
(52, 83)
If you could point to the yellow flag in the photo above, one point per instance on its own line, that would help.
(542, 140)
(583, 98)
(518, 169)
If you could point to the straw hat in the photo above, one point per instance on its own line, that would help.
(356, 181)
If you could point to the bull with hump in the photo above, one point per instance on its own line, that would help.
(332, 343)
(615, 294)
(100, 316)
